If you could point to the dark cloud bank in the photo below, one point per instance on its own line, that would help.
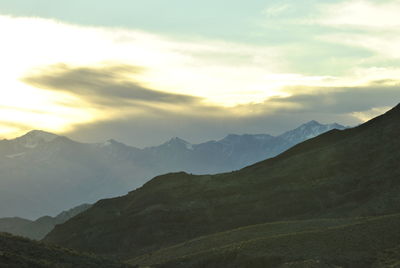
(164, 115)
(107, 86)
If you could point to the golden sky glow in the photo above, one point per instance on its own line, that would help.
(221, 74)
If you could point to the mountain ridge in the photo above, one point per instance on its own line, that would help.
(339, 174)
(55, 173)
(49, 136)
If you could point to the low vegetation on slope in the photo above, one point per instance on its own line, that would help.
(369, 243)
(17, 252)
(239, 235)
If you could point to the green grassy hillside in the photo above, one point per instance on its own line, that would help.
(362, 244)
(239, 235)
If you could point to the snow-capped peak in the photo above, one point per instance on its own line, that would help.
(35, 137)
(40, 135)
(309, 130)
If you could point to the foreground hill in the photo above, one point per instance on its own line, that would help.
(42, 173)
(16, 252)
(204, 245)
(361, 242)
(39, 228)
(339, 174)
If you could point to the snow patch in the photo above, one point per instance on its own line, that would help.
(105, 144)
(40, 135)
(35, 137)
(13, 156)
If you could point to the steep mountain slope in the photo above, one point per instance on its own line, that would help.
(347, 173)
(39, 228)
(16, 252)
(42, 173)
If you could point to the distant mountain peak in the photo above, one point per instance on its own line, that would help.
(312, 123)
(40, 134)
(316, 124)
(35, 137)
(176, 141)
(309, 130)
(231, 137)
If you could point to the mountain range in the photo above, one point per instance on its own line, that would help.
(43, 173)
(330, 201)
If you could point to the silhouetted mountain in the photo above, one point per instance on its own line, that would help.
(39, 228)
(42, 173)
(340, 174)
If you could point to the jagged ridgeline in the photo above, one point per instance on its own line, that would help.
(331, 201)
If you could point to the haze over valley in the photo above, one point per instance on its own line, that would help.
(192, 134)
(44, 174)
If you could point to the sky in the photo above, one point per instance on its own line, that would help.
(144, 71)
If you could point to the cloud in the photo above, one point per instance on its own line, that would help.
(112, 85)
(345, 105)
(276, 10)
(7, 127)
(371, 25)
(125, 110)
(361, 13)
(222, 72)
(113, 78)
(140, 116)
(343, 100)
(371, 113)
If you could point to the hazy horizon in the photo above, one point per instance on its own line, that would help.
(142, 71)
(166, 139)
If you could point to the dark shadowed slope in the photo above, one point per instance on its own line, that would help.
(345, 173)
(16, 252)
